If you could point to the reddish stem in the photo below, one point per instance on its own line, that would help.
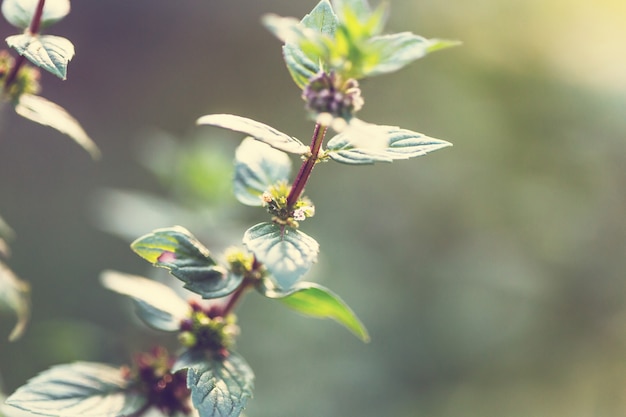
(307, 166)
(235, 297)
(36, 22)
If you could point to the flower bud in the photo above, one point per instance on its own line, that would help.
(328, 93)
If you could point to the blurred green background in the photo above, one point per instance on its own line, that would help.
(491, 275)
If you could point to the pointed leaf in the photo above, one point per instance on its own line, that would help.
(14, 296)
(178, 251)
(259, 131)
(46, 113)
(49, 52)
(257, 167)
(316, 301)
(351, 146)
(157, 305)
(314, 32)
(287, 253)
(20, 12)
(81, 389)
(389, 53)
(220, 387)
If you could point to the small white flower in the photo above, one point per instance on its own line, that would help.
(266, 197)
(299, 214)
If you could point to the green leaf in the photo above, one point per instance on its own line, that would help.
(259, 131)
(220, 387)
(49, 52)
(178, 251)
(20, 12)
(314, 300)
(257, 167)
(44, 112)
(306, 42)
(287, 253)
(81, 389)
(389, 53)
(366, 144)
(14, 296)
(157, 304)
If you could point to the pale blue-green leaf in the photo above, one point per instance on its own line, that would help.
(389, 53)
(322, 18)
(220, 387)
(49, 52)
(359, 8)
(47, 113)
(316, 30)
(15, 297)
(301, 67)
(20, 12)
(81, 389)
(178, 251)
(157, 304)
(287, 29)
(257, 167)
(257, 130)
(314, 300)
(352, 147)
(287, 253)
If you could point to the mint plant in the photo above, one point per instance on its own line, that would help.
(326, 53)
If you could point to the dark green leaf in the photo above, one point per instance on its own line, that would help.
(81, 389)
(49, 52)
(220, 387)
(178, 251)
(157, 304)
(388, 53)
(46, 113)
(368, 143)
(259, 131)
(257, 167)
(14, 296)
(287, 253)
(20, 12)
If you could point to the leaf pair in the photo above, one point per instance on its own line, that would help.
(176, 249)
(220, 387)
(49, 52)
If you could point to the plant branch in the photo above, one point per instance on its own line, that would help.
(33, 29)
(307, 166)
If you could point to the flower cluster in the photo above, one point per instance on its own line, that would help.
(208, 329)
(329, 93)
(164, 390)
(275, 200)
(26, 80)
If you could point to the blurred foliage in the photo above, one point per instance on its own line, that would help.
(491, 276)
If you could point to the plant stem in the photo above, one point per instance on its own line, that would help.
(36, 22)
(235, 297)
(307, 166)
(33, 29)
